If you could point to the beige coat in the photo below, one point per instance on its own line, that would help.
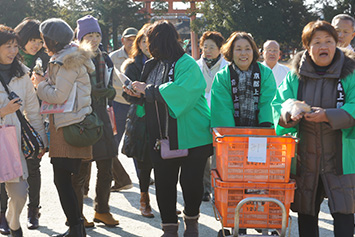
(70, 65)
(118, 57)
(23, 87)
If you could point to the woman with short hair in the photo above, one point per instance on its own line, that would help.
(69, 64)
(323, 77)
(172, 89)
(31, 49)
(210, 63)
(242, 92)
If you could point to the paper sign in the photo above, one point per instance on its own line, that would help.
(67, 106)
(257, 149)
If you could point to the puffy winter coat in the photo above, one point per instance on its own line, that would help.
(70, 65)
(325, 151)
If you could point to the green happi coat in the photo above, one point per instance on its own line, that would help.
(185, 97)
(222, 109)
(289, 89)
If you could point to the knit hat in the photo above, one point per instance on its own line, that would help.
(87, 24)
(129, 32)
(26, 30)
(56, 29)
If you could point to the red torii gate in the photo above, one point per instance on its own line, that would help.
(194, 46)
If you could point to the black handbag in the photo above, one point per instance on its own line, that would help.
(31, 141)
(135, 141)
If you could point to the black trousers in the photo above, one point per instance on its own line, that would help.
(63, 183)
(144, 179)
(308, 224)
(103, 184)
(34, 182)
(3, 198)
(191, 180)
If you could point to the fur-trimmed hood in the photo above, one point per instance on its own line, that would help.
(73, 56)
(342, 65)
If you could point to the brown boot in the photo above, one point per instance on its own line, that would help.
(145, 208)
(88, 224)
(105, 218)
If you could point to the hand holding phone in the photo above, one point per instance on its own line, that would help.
(126, 81)
(13, 95)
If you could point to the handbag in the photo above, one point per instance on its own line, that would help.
(85, 133)
(135, 141)
(31, 141)
(10, 158)
(163, 144)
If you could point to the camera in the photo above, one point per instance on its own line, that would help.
(13, 95)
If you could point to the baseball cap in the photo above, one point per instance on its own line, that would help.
(129, 32)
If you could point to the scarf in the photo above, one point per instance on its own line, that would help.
(97, 78)
(210, 62)
(246, 92)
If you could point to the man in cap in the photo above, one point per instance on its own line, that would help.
(120, 105)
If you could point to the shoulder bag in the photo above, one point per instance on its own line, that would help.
(85, 133)
(31, 141)
(163, 143)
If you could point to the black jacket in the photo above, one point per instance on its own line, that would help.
(105, 148)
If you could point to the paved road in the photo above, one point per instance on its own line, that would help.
(125, 207)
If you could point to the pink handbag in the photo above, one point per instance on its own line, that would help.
(163, 143)
(10, 159)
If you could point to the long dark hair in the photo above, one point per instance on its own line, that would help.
(164, 41)
(8, 34)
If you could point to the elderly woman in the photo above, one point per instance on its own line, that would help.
(243, 91)
(172, 87)
(210, 63)
(323, 77)
(14, 76)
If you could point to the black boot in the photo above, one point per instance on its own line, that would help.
(32, 218)
(16, 233)
(4, 227)
(77, 230)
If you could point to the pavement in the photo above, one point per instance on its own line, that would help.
(125, 207)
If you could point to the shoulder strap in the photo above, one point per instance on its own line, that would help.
(4, 84)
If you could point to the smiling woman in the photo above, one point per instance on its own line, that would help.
(251, 85)
(322, 76)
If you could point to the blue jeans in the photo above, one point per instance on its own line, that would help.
(120, 111)
(120, 176)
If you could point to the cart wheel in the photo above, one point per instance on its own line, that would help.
(226, 233)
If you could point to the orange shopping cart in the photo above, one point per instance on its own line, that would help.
(252, 188)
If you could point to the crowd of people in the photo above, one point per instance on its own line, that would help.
(165, 113)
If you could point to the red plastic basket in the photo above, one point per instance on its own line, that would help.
(266, 215)
(232, 146)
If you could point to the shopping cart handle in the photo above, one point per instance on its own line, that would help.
(260, 199)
